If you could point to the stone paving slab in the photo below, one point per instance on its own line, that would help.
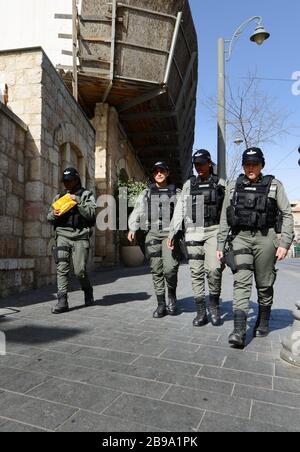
(112, 367)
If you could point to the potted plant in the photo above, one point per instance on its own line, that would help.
(131, 253)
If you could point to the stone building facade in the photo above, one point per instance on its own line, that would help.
(43, 131)
(114, 157)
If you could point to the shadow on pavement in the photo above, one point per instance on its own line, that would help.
(33, 335)
(111, 300)
(48, 294)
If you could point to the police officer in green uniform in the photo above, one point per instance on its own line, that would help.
(207, 193)
(72, 233)
(153, 213)
(256, 209)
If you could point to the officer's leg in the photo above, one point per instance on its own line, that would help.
(243, 280)
(80, 260)
(265, 276)
(213, 269)
(64, 251)
(196, 263)
(154, 253)
(171, 266)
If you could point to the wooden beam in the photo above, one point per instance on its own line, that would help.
(147, 115)
(142, 99)
(157, 147)
(154, 133)
(75, 47)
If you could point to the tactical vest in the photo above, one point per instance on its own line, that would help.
(251, 207)
(213, 194)
(158, 202)
(73, 219)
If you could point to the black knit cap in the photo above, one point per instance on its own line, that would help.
(254, 155)
(160, 165)
(70, 174)
(202, 156)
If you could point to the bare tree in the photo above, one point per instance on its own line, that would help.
(252, 117)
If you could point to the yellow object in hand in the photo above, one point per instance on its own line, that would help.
(64, 204)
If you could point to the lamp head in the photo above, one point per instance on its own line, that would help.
(260, 35)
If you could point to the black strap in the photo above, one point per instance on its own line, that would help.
(158, 254)
(244, 267)
(67, 249)
(243, 252)
(194, 243)
(196, 257)
(153, 243)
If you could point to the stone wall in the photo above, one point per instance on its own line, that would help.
(16, 273)
(59, 134)
(113, 154)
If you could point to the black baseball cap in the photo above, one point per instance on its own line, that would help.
(254, 155)
(202, 156)
(70, 174)
(160, 165)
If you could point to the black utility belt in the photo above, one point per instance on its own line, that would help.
(252, 230)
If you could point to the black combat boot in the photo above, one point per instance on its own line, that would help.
(171, 308)
(261, 328)
(214, 309)
(89, 297)
(62, 305)
(161, 310)
(201, 318)
(88, 291)
(238, 336)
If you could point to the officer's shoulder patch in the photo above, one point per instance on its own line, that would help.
(277, 183)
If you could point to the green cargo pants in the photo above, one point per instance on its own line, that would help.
(255, 254)
(163, 262)
(203, 261)
(76, 251)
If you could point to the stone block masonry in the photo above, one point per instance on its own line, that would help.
(43, 130)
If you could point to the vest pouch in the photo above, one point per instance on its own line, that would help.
(261, 203)
(207, 196)
(263, 221)
(206, 211)
(250, 201)
(279, 222)
(231, 217)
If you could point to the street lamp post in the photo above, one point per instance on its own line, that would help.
(259, 36)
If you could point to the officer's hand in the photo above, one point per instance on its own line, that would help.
(281, 254)
(220, 255)
(131, 236)
(57, 212)
(170, 244)
(73, 197)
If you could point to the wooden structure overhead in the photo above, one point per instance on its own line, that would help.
(140, 56)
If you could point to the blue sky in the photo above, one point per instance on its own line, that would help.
(278, 58)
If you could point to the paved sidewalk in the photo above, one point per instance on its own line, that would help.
(113, 368)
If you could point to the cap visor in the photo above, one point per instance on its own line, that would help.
(68, 178)
(201, 161)
(252, 159)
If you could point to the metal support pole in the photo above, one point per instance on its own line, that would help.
(173, 47)
(222, 170)
(112, 51)
(74, 48)
(291, 345)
